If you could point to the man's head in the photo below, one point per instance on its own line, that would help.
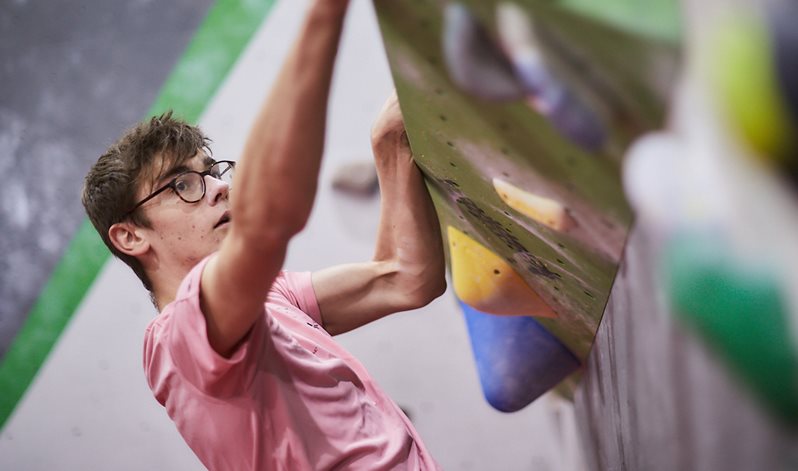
(129, 170)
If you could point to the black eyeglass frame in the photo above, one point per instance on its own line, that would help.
(172, 182)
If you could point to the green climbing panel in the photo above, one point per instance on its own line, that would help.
(463, 143)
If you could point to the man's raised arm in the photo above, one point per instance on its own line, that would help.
(276, 181)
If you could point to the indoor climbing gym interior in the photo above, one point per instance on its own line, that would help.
(616, 185)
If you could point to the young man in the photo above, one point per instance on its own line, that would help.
(241, 354)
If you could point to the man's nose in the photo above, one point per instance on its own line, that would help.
(215, 189)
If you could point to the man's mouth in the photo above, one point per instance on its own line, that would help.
(223, 220)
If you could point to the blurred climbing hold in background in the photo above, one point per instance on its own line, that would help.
(474, 60)
(546, 93)
(512, 67)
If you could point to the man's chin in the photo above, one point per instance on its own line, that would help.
(219, 235)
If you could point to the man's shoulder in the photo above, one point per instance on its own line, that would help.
(286, 282)
(294, 291)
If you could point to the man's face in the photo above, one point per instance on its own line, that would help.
(181, 234)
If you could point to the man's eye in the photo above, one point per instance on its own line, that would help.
(182, 186)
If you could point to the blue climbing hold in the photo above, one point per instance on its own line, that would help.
(517, 358)
(474, 61)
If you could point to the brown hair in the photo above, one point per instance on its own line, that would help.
(142, 154)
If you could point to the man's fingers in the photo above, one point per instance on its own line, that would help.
(390, 122)
(391, 104)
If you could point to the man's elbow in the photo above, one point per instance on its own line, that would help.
(426, 293)
(437, 288)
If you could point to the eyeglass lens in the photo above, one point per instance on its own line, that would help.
(223, 171)
(191, 185)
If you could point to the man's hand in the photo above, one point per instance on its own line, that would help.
(389, 127)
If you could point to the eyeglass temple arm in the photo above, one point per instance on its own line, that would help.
(152, 195)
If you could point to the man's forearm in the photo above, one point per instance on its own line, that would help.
(409, 231)
(278, 172)
(407, 270)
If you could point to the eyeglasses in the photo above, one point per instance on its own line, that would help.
(190, 185)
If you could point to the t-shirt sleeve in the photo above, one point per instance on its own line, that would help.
(297, 289)
(185, 334)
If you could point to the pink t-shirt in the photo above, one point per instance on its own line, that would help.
(289, 398)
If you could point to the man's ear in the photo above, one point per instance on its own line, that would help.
(128, 239)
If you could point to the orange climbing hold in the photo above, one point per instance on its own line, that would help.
(543, 210)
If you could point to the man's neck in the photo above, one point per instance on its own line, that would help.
(165, 289)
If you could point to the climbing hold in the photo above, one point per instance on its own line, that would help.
(548, 95)
(356, 178)
(488, 283)
(650, 178)
(782, 17)
(543, 210)
(479, 66)
(517, 359)
(740, 310)
(745, 78)
(474, 61)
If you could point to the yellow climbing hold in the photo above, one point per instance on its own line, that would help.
(744, 78)
(543, 210)
(486, 282)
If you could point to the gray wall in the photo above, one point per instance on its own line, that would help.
(75, 74)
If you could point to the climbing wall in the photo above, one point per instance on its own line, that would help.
(543, 128)
(465, 143)
(519, 115)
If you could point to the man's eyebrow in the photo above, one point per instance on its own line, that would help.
(175, 171)
(171, 174)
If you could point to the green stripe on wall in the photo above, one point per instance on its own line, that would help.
(199, 73)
